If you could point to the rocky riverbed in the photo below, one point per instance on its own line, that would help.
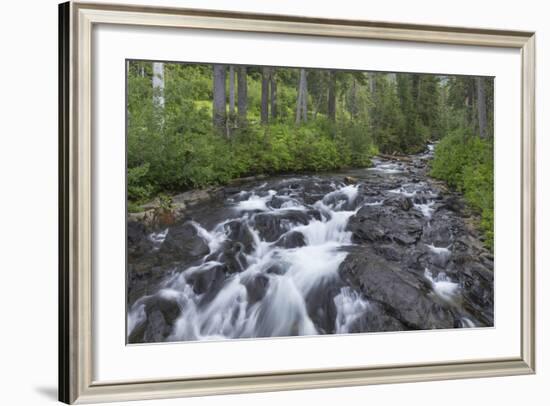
(368, 250)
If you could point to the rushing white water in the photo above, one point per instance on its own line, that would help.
(158, 238)
(215, 238)
(444, 251)
(442, 285)
(255, 202)
(136, 315)
(387, 167)
(466, 322)
(302, 273)
(403, 191)
(427, 209)
(350, 307)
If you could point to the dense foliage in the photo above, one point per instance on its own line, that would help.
(175, 146)
(186, 128)
(463, 158)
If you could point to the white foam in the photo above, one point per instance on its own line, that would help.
(350, 306)
(256, 202)
(215, 238)
(426, 208)
(442, 285)
(439, 250)
(158, 238)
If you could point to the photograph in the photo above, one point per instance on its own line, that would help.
(267, 201)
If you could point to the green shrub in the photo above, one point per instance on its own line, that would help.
(465, 162)
(138, 188)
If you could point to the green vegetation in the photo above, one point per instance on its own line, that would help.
(464, 157)
(193, 125)
(344, 119)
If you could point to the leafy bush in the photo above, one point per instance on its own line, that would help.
(183, 151)
(138, 187)
(465, 162)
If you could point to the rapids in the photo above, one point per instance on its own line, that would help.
(310, 254)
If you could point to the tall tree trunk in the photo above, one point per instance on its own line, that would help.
(273, 85)
(158, 84)
(331, 108)
(372, 83)
(218, 100)
(242, 97)
(232, 90)
(372, 88)
(303, 74)
(481, 107)
(353, 100)
(299, 101)
(264, 114)
(472, 104)
(301, 104)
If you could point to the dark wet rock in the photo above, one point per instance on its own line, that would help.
(376, 319)
(401, 202)
(231, 190)
(438, 233)
(242, 195)
(183, 243)
(239, 231)
(389, 251)
(292, 239)
(477, 282)
(321, 307)
(276, 269)
(143, 278)
(156, 329)
(161, 314)
(404, 296)
(206, 280)
(340, 201)
(454, 204)
(315, 214)
(256, 288)
(232, 257)
(385, 223)
(276, 202)
(167, 307)
(272, 225)
(137, 236)
(439, 260)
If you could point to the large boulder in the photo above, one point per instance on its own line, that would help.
(183, 244)
(403, 295)
(291, 239)
(161, 314)
(239, 231)
(321, 307)
(272, 225)
(401, 202)
(206, 280)
(137, 237)
(256, 287)
(386, 224)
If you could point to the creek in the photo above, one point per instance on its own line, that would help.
(384, 248)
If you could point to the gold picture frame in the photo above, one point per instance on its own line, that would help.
(76, 384)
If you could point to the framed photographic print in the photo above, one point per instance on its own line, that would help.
(265, 202)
